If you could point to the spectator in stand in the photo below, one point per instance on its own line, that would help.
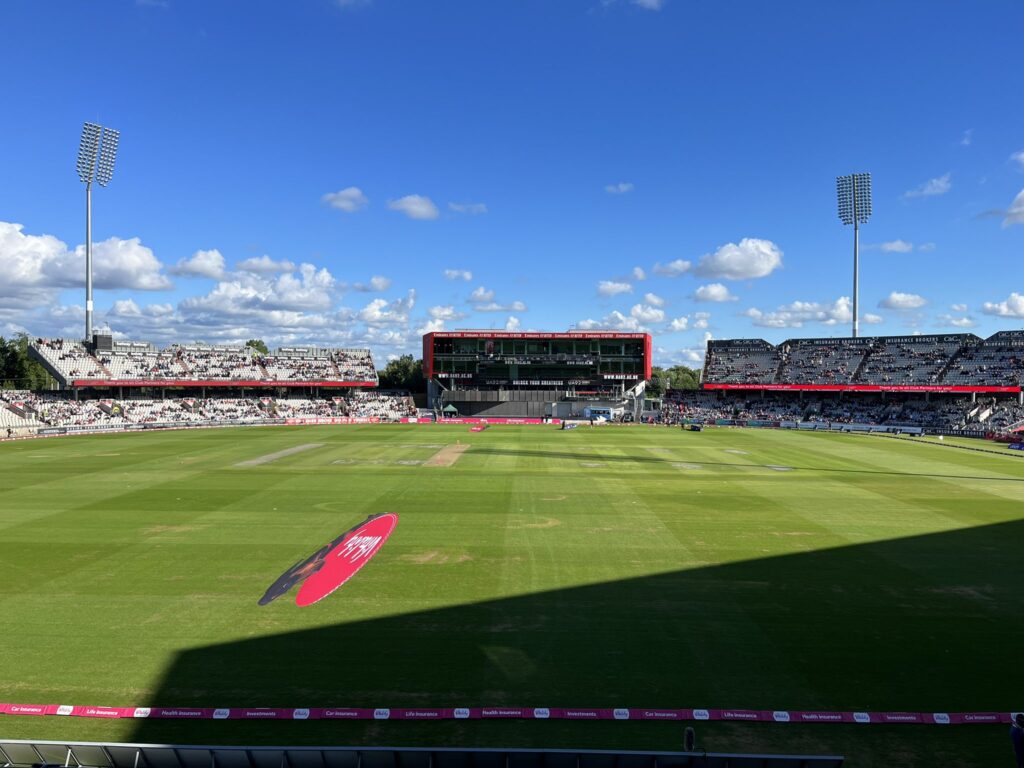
(1017, 738)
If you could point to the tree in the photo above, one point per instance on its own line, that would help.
(676, 377)
(683, 377)
(259, 345)
(17, 369)
(658, 383)
(403, 372)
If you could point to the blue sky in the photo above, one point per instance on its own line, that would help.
(354, 173)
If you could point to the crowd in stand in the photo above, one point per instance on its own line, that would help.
(820, 363)
(961, 359)
(387, 406)
(69, 357)
(956, 413)
(128, 361)
(25, 410)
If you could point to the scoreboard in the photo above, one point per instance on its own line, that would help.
(573, 361)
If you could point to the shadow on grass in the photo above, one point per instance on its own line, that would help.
(619, 458)
(906, 624)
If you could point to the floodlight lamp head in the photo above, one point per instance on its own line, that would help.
(88, 148)
(853, 193)
(108, 154)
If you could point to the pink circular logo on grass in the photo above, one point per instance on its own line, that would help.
(346, 558)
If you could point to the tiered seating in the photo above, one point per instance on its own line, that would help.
(912, 360)
(961, 359)
(142, 362)
(949, 414)
(9, 419)
(301, 363)
(998, 361)
(70, 359)
(355, 365)
(206, 363)
(139, 360)
(385, 405)
(741, 362)
(818, 361)
(293, 407)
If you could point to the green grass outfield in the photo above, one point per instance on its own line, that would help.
(612, 567)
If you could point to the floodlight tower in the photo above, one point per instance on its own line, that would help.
(854, 193)
(97, 151)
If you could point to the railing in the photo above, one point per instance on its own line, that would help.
(33, 754)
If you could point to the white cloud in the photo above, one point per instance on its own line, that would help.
(121, 264)
(415, 207)
(965, 321)
(646, 313)
(673, 268)
(612, 288)
(613, 321)
(679, 324)
(480, 294)
(493, 306)
(958, 307)
(445, 313)
(201, 264)
(430, 326)
(254, 296)
(1011, 307)
(798, 313)
(751, 258)
(619, 189)
(937, 186)
(871, 319)
(24, 261)
(377, 284)
(713, 292)
(700, 320)
(692, 355)
(967, 138)
(473, 209)
(381, 312)
(264, 265)
(926, 247)
(1015, 213)
(458, 274)
(650, 5)
(127, 308)
(654, 300)
(897, 246)
(899, 300)
(512, 324)
(639, 274)
(1018, 159)
(349, 200)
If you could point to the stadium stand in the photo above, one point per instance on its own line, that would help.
(385, 405)
(947, 415)
(998, 360)
(70, 359)
(913, 360)
(742, 361)
(24, 410)
(953, 384)
(133, 363)
(958, 360)
(32, 754)
(825, 361)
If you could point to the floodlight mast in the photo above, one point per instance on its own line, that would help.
(854, 197)
(97, 151)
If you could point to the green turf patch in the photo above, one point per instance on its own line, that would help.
(679, 569)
